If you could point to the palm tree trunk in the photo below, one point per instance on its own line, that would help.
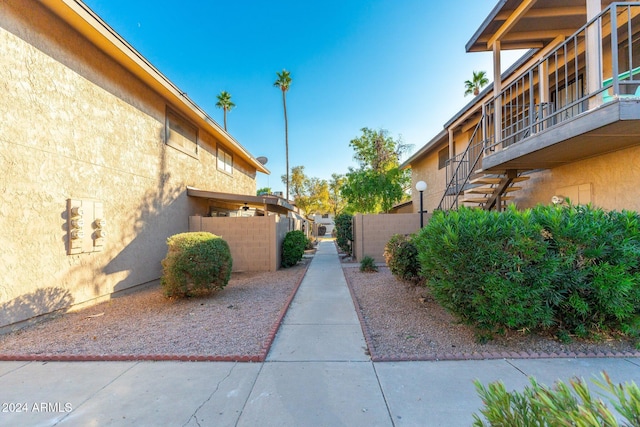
(225, 119)
(286, 140)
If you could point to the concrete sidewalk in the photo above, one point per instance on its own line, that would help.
(318, 373)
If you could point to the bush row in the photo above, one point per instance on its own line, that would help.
(573, 268)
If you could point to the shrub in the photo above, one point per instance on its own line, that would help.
(195, 263)
(401, 256)
(574, 268)
(368, 264)
(540, 406)
(344, 232)
(293, 247)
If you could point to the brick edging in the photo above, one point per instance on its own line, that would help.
(473, 356)
(258, 358)
(283, 312)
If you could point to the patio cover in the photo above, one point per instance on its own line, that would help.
(268, 203)
(529, 24)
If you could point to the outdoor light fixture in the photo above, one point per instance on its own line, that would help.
(421, 186)
(245, 207)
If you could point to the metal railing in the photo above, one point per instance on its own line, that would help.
(461, 168)
(526, 109)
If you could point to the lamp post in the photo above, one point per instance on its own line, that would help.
(421, 186)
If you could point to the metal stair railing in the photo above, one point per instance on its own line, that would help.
(466, 166)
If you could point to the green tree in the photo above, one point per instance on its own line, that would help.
(263, 190)
(378, 183)
(224, 102)
(283, 82)
(474, 85)
(336, 202)
(309, 194)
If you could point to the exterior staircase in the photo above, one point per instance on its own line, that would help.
(492, 191)
(469, 185)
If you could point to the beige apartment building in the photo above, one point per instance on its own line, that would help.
(101, 159)
(563, 121)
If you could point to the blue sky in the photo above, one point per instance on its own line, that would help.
(398, 65)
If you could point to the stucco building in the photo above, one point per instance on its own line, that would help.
(97, 149)
(563, 121)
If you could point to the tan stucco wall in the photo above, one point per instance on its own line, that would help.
(255, 242)
(372, 232)
(426, 169)
(613, 178)
(76, 125)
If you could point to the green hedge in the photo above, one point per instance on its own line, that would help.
(195, 263)
(293, 247)
(574, 268)
(344, 232)
(401, 256)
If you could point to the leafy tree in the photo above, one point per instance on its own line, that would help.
(310, 194)
(378, 183)
(224, 102)
(474, 85)
(263, 190)
(283, 82)
(336, 202)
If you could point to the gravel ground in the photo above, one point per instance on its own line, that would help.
(238, 320)
(238, 323)
(404, 322)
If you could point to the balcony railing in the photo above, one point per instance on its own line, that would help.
(594, 66)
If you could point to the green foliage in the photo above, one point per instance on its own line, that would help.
(293, 247)
(195, 263)
(401, 256)
(539, 406)
(378, 183)
(368, 264)
(310, 194)
(573, 268)
(263, 190)
(344, 232)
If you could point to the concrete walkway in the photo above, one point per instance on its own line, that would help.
(318, 373)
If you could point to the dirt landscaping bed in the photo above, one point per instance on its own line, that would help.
(237, 323)
(403, 322)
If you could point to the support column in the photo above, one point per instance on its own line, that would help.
(593, 52)
(497, 87)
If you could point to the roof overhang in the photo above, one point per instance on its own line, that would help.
(82, 19)
(269, 203)
(529, 24)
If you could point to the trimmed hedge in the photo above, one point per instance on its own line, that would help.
(344, 232)
(573, 268)
(196, 263)
(293, 247)
(401, 256)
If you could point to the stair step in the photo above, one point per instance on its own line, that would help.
(487, 190)
(496, 180)
(483, 199)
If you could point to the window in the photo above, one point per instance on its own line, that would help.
(225, 161)
(443, 156)
(181, 134)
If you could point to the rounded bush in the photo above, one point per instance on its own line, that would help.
(401, 256)
(368, 265)
(196, 263)
(293, 247)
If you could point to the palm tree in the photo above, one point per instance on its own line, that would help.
(224, 102)
(478, 82)
(283, 82)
